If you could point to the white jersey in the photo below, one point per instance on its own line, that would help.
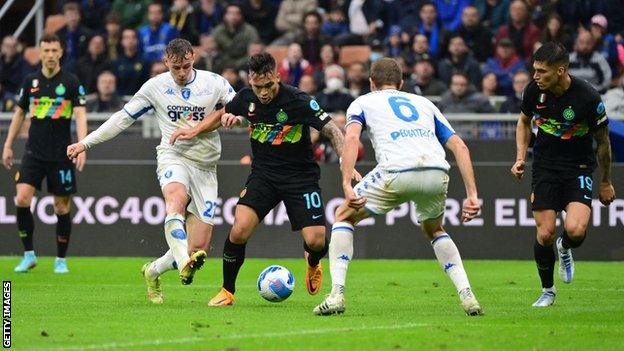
(407, 131)
(184, 107)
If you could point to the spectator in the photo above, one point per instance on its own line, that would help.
(311, 40)
(504, 65)
(131, 12)
(357, 79)
(329, 56)
(157, 68)
(494, 13)
(230, 73)
(614, 101)
(335, 97)
(130, 68)
(233, 36)
(113, 36)
(394, 46)
(459, 60)
(336, 23)
(420, 49)
(13, 67)
(406, 16)
(155, 35)
(555, 32)
(577, 13)
(451, 12)
(208, 15)
(105, 100)
(7, 100)
(489, 85)
(462, 97)
(182, 18)
(604, 43)
(74, 35)
(94, 13)
(520, 30)
(476, 36)
(294, 66)
(587, 64)
(209, 59)
(91, 65)
(513, 102)
(252, 49)
(261, 15)
(423, 81)
(367, 20)
(429, 27)
(289, 19)
(307, 85)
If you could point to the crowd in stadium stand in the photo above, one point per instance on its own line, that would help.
(463, 52)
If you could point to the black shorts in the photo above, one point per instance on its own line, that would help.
(303, 201)
(60, 175)
(555, 189)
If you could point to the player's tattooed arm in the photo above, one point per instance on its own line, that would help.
(603, 156)
(334, 134)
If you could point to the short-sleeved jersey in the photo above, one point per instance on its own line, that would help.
(279, 133)
(50, 103)
(184, 107)
(564, 124)
(407, 131)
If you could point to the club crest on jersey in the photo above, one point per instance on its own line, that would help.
(568, 113)
(281, 116)
(60, 89)
(186, 93)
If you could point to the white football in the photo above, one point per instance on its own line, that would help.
(276, 283)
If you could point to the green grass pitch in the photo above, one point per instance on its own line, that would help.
(391, 305)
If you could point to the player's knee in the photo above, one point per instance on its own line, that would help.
(316, 242)
(239, 234)
(61, 205)
(23, 200)
(576, 231)
(546, 238)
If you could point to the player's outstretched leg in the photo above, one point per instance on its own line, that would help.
(151, 273)
(314, 270)
(340, 254)
(233, 259)
(195, 262)
(451, 262)
(175, 234)
(545, 260)
(565, 244)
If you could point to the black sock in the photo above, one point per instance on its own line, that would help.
(315, 256)
(233, 258)
(545, 259)
(568, 243)
(63, 230)
(25, 227)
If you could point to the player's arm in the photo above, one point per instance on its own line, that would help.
(334, 134)
(523, 137)
(459, 149)
(113, 126)
(208, 124)
(16, 124)
(347, 165)
(80, 112)
(603, 156)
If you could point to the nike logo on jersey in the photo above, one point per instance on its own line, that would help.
(540, 107)
(317, 216)
(587, 197)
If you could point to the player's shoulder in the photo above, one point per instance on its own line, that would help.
(531, 90)
(583, 88)
(296, 98)
(28, 79)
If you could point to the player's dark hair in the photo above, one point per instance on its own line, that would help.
(50, 38)
(386, 71)
(177, 49)
(552, 53)
(261, 64)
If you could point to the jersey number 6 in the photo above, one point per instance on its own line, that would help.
(396, 102)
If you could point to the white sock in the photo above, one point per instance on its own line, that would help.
(176, 238)
(340, 254)
(450, 261)
(162, 264)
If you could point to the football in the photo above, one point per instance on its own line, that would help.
(276, 283)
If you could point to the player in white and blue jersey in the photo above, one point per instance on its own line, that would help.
(408, 133)
(180, 98)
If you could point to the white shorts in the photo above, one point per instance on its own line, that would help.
(201, 185)
(426, 188)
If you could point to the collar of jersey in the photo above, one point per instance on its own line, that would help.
(194, 76)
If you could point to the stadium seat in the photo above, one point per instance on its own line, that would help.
(53, 23)
(31, 55)
(278, 52)
(353, 53)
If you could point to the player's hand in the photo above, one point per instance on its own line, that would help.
(352, 199)
(74, 150)
(470, 209)
(182, 134)
(607, 193)
(518, 169)
(229, 120)
(80, 161)
(7, 157)
(356, 176)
